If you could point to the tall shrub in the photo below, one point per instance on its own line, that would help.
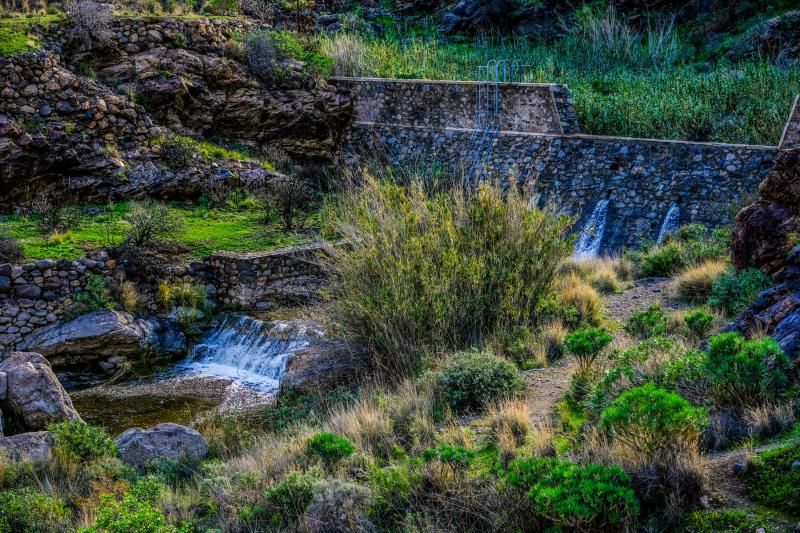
(426, 271)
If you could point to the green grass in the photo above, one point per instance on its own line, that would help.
(14, 37)
(205, 231)
(635, 96)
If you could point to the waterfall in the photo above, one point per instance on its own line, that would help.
(588, 244)
(248, 351)
(670, 224)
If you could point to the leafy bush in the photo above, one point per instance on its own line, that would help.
(585, 345)
(472, 379)
(95, 296)
(663, 261)
(647, 324)
(149, 221)
(136, 511)
(456, 457)
(27, 509)
(652, 421)
(772, 479)
(694, 285)
(338, 506)
(698, 322)
(261, 54)
(440, 271)
(329, 447)
(687, 247)
(746, 373)
(393, 488)
(734, 291)
(581, 497)
(688, 370)
(81, 442)
(54, 214)
(286, 196)
(285, 501)
(178, 151)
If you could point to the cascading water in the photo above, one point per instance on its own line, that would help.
(588, 244)
(248, 351)
(670, 224)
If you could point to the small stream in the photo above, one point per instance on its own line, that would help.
(235, 366)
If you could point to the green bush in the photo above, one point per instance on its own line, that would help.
(746, 373)
(580, 497)
(29, 510)
(286, 500)
(586, 344)
(457, 457)
(688, 369)
(393, 488)
(470, 380)
(442, 271)
(137, 511)
(151, 220)
(663, 261)
(772, 480)
(698, 322)
(734, 291)
(82, 442)
(647, 324)
(178, 151)
(329, 447)
(721, 521)
(651, 420)
(95, 296)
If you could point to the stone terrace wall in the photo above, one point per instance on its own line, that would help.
(791, 135)
(641, 178)
(136, 34)
(39, 93)
(535, 108)
(37, 294)
(255, 280)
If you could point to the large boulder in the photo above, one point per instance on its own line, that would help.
(322, 365)
(138, 447)
(33, 394)
(34, 446)
(105, 336)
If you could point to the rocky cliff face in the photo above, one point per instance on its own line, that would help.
(767, 237)
(94, 136)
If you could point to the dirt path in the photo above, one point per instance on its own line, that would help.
(548, 385)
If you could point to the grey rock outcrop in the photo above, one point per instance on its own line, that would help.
(777, 38)
(138, 447)
(34, 446)
(105, 336)
(34, 396)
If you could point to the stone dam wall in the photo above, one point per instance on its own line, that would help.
(641, 178)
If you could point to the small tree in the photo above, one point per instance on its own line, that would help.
(287, 196)
(91, 23)
(149, 221)
(177, 151)
(261, 54)
(652, 421)
(54, 213)
(585, 345)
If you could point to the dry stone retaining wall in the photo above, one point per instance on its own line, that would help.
(37, 294)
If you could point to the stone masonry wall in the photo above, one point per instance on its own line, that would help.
(524, 107)
(791, 135)
(37, 294)
(411, 123)
(255, 280)
(641, 178)
(136, 34)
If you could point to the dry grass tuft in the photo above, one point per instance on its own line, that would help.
(348, 53)
(694, 284)
(583, 298)
(509, 421)
(770, 419)
(549, 344)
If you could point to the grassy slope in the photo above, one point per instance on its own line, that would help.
(205, 231)
(14, 33)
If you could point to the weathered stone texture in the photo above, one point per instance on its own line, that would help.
(641, 178)
(256, 280)
(523, 107)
